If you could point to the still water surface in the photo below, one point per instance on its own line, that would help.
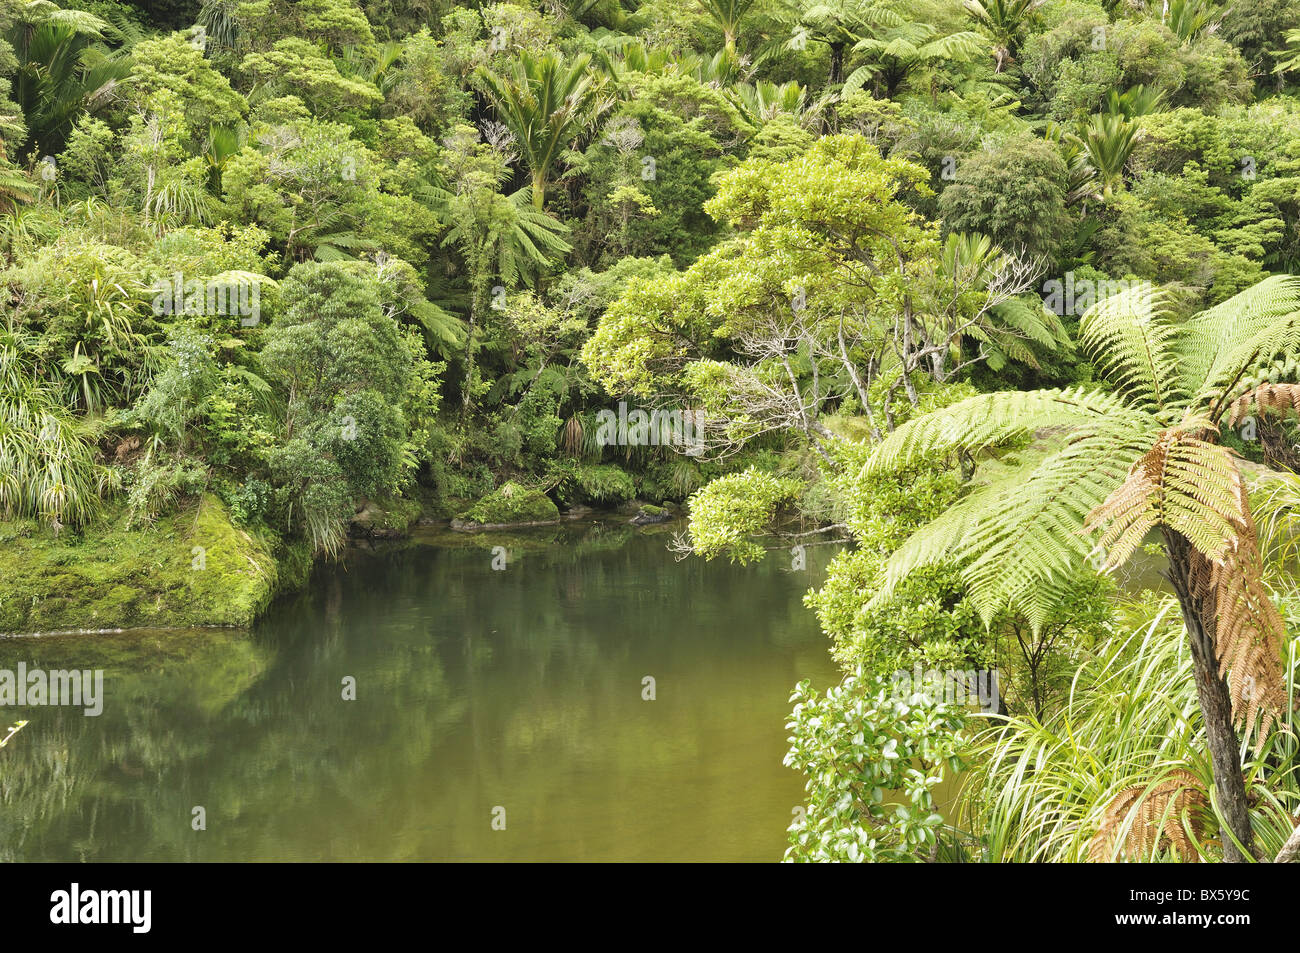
(476, 689)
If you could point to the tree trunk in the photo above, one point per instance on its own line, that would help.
(469, 354)
(837, 64)
(1278, 452)
(1215, 701)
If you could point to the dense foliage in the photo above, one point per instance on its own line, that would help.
(991, 292)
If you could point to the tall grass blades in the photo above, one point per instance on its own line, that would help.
(1041, 790)
(48, 468)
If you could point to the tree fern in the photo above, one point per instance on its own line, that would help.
(1145, 458)
(15, 188)
(1225, 344)
(987, 420)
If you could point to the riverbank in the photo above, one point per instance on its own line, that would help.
(191, 568)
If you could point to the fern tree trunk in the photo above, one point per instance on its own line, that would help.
(837, 64)
(1212, 693)
(1278, 452)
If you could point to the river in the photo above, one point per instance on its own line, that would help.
(499, 713)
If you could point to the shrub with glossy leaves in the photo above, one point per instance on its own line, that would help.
(860, 746)
(731, 509)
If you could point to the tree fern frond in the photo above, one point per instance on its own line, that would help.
(1217, 343)
(1028, 552)
(1248, 629)
(1127, 337)
(1032, 320)
(986, 420)
(1182, 482)
(1173, 814)
(1018, 539)
(1271, 399)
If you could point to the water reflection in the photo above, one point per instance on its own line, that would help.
(475, 689)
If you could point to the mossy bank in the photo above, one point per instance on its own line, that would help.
(191, 568)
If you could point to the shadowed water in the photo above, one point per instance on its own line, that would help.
(476, 689)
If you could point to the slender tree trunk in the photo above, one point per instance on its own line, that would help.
(837, 64)
(1215, 701)
(539, 189)
(469, 353)
(863, 397)
(1278, 452)
(831, 117)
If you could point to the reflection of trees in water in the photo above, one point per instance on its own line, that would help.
(78, 780)
(475, 688)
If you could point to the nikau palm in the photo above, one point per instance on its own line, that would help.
(1104, 148)
(545, 103)
(64, 68)
(1004, 22)
(1119, 465)
(727, 14)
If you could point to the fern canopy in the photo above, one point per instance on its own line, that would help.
(1120, 462)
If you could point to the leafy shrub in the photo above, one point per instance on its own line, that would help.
(600, 484)
(731, 509)
(605, 484)
(312, 495)
(856, 745)
(249, 501)
(154, 487)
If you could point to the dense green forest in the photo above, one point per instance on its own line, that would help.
(993, 294)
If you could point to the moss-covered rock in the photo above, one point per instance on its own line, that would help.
(385, 519)
(649, 514)
(511, 505)
(191, 568)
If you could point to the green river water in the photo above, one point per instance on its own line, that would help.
(480, 693)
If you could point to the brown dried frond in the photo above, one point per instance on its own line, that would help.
(1157, 813)
(1247, 627)
(1130, 512)
(1193, 486)
(1184, 482)
(1270, 398)
(573, 435)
